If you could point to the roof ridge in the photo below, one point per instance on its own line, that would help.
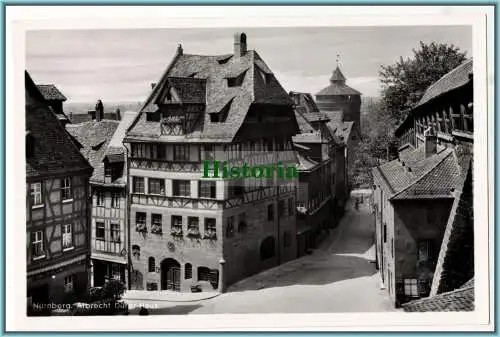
(157, 87)
(381, 173)
(457, 68)
(424, 174)
(252, 74)
(30, 85)
(204, 55)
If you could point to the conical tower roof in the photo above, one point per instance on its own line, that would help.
(337, 76)
(337, 86)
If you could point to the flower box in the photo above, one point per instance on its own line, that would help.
(176, 231)
(141, 227)
(210, 235)
(155, 229)
(193, 233)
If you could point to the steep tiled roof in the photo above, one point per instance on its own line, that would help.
(461, 299)
(439, 182)
(258, 86)
(307, 113)
(54, 151)
(337, 76)
(337, 86)
(95, 137)
(51, 93)
(454, 79)
(117, 139)
(335, 116)
(305, 102)
(413, 176)
(190, 90)
(304, 125)
(337, 90)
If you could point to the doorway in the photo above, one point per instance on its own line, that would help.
(170, 275)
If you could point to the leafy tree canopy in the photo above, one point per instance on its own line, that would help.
(404, 82)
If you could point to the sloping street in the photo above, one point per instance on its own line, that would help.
(339, 276)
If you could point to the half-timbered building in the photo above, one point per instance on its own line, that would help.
(322, 190)
(189, 231)
(423, 200)
(103, 147)
(57, 175)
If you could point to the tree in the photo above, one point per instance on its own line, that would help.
(377, 143)
(377, 129)
(404, 82)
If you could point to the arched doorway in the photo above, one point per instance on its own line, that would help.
(267, 248)
(170, 275)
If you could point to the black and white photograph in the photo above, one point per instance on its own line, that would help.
(255, 167)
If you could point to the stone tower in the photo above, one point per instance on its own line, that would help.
(340, 98)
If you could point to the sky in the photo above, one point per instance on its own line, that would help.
(120, 65)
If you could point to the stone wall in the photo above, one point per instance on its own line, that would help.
(456, 258)
(416, 221)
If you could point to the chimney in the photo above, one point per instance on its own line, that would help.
(295, 97)
(99, 111)
(240, 44)
(180, 51)
(118, 115)
(430, 142)
(153, 85)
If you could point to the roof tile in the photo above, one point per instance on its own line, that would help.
(413, 176)
(90, 134)
(452, 80)
(51, 93)
(54, 150)
(259, 86)
(461, 299)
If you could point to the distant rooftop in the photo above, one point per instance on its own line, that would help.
(51, 93)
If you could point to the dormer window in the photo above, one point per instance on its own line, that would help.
(214, 117)
(108, 170)
(236, 81)
(233, 82)
(224, 60)
(97, 146)
(113, 167)
(30, 145)
(220, 117)
(266, 77)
